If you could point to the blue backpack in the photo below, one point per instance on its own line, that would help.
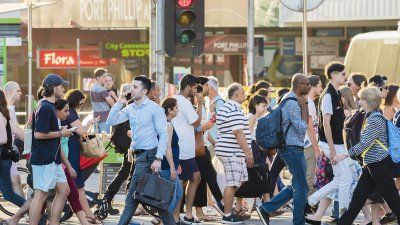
(269, 132)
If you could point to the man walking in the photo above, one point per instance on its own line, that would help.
(46, 157)
(101, 100)
(311, 150)
(185, 123)
(149, 126)
(233, 147)
(294, 118)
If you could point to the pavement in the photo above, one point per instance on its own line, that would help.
(93, 185)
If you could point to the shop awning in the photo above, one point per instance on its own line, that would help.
(342, 12)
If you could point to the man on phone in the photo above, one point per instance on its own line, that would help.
(149, 126)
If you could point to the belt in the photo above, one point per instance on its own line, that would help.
(140, 151)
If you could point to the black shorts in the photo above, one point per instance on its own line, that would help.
(189, 167)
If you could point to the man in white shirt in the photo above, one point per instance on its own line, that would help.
(185, 123)
(311, 150)
(13, 95)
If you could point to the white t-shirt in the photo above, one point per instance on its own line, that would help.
(313, 113)
(184, 128)
(326, 106)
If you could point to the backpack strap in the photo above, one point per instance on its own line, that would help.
(283, 102)
(376, 140)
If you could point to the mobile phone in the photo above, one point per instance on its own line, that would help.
(213, 118)
(73, 128)
(128, 96)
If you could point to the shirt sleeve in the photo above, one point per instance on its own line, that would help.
(235, 120)
(293, 111)
(188, 112)
(373, 129)
(161, 128)
(43, 118)
(326, 105)
(117, 116)
(73, 116)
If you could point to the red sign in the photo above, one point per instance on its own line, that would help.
(68, 58)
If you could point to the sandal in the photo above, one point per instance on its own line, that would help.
(243, 214)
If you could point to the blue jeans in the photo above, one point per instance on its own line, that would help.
(143, 162)
(103, 126)
(6, 185)
(166, 174)
(294, 159)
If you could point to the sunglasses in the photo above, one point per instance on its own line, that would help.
(383, 88)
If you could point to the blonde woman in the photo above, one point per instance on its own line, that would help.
(348, 100)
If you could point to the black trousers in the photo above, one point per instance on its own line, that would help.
(124, 172)
(375, 175)
(208, 176)
(277, 166)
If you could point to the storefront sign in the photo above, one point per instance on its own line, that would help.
(225, 44)
(124, 50)
(319, 46)
(289, 46)
(67, 58)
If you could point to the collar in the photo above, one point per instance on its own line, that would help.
(145, 102)
(216, 98)
(234, 103)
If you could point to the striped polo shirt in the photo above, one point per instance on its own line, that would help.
(98, 95)
(229, 118)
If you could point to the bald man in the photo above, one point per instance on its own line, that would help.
(294, 122)
(13, 95)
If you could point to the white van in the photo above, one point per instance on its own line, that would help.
(375, 53)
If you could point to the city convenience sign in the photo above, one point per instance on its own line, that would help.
(124, 50)
(68, 58)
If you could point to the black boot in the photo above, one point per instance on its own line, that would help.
(111, 210)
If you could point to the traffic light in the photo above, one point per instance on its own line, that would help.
(184, 28)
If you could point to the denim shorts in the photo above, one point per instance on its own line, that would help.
(45, 177)
(166, 174)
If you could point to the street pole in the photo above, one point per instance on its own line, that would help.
(250, 43)
(29, 60)
(78, 64)
(160, 47)
(305, 53)
(153, 39)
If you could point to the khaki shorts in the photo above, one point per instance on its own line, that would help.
(235, 170)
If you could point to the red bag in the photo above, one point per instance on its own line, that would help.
(88, 162)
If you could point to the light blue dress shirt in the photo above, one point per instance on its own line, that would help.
(147, 121)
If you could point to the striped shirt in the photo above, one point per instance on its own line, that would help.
(230, 118)
(98, 95)
(375, 129)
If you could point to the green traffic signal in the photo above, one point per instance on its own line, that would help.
(186, 37)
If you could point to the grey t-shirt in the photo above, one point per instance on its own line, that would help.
(98, 95)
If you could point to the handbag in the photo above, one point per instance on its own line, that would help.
(92, 146)
(8, 153)
(257, 184)
(199, 140)
(148, 191)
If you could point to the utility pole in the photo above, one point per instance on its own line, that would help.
(160, 51)
(305, 53)
(250, 43)
(30, 99)
(153, 38)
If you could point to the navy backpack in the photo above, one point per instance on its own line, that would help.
(269, 132)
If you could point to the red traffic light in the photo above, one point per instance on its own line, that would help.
(184, 3)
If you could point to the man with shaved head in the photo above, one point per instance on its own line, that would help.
(13, 95)
(294, 123)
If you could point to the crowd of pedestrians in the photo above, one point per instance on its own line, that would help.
(208, 147)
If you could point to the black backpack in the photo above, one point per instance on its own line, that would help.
(352, 129)
(120, 138)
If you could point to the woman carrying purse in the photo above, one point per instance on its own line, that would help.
(76, 100)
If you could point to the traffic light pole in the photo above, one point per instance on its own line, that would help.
(153, 39)
(250, 43)
(160, 50)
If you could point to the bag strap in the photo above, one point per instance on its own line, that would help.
(145, 207)
(281, 105)
(376, 140)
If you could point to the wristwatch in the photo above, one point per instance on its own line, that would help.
(158, 159)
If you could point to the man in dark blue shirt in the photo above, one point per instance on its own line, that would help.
(45, 158)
